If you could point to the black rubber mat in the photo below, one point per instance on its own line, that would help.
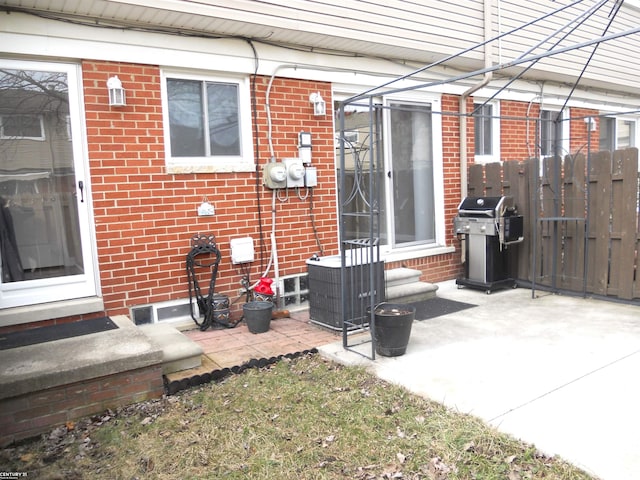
(55, 332)
(435, 307)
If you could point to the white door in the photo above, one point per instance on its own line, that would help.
(45, 220)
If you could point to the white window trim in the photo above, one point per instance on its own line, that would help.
(566, 141)
(240, 163)
(438, 166)
(625, 118)
(40, 138)
(495, 137)
(440, 246)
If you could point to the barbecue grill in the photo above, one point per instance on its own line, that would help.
(489, 225)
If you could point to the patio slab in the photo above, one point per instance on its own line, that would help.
(556, 371)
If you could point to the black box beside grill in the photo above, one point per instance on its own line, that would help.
(489, 225)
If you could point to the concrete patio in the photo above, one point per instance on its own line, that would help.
(555, 371)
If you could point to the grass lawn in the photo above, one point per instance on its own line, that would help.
(306, 418)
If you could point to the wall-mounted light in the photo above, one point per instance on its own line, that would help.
(319, 105)
(116, 92)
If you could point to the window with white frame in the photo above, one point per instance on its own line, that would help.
(207, 123)
(29, 127)
(486, 121)
(551, 133)
(617, 133)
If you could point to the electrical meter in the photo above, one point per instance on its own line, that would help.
(295, 172)
(274, 175)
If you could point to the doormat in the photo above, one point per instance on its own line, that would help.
(55, 332)
(436, 306)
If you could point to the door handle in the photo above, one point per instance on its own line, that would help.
(81, 187)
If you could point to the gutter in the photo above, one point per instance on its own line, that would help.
(463, 99)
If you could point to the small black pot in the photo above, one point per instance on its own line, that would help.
(393, 328)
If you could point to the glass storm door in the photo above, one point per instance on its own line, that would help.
(411, 191)
(44, 221)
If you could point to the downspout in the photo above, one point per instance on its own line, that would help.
(463, 99)
(463, 113)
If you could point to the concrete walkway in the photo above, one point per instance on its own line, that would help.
(555, 371)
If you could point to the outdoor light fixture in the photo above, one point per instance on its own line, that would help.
(116, 92)
(319, 105)
(304, 146)
(592, 126)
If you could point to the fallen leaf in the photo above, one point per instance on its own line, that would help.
(470, 447)
(401, 457)
(438, 469)
(27, 457)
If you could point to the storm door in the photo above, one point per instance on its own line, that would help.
(410, 164)
(44, 221)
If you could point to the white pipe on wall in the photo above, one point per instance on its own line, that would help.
(488, 51)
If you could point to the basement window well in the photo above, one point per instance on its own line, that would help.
(294, 292)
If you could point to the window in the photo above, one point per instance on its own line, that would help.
(294, 291)
(550, 133)
(22, 127)
(553, 133)
(207, 123)
(486, 132)
(617, 133)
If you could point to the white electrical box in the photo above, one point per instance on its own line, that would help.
(310, 177)
(274, 175)
(295, 172)
(242, 250)
(304, 153)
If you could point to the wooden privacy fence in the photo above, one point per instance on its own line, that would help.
(581, 220)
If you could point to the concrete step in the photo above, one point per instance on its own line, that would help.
(401, 276)
(410, 292)
(178, 351)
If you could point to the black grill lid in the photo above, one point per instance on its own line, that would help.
(480, 206)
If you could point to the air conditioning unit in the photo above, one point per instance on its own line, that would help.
(173, 311)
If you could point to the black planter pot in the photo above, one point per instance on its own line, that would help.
(393, 328)
(257, 316)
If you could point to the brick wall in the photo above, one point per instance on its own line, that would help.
(145, 218)
(441, 267)
(31, 414)
(580, 133)
(518, 130)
